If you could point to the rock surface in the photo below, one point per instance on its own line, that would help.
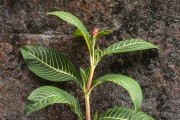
(24, 22)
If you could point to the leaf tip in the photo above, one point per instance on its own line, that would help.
(26, 111)
(49, 13)
(53, 13)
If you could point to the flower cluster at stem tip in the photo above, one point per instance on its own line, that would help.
(95, 32)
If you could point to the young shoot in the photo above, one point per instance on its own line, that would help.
(52, 65)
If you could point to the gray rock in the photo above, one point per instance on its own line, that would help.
(25, 22)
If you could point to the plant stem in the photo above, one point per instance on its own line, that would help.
(88, 111)
(88, 87)
(90, 79)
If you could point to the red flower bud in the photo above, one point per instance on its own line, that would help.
(95, 31)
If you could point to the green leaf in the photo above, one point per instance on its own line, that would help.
(127, 83)
(83, 76)
(76, 22)
(95, 116)
(128, 46)
(77, 33)
(48, 95)
(98, 54)
(102, 33)
(123, 113)
(49, 64)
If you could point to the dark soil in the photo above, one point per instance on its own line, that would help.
(24, 22)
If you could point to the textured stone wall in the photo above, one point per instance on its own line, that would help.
(24, 22)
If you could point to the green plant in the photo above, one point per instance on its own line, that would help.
(54, 66)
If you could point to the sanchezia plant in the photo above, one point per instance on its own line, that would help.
(51, 65)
